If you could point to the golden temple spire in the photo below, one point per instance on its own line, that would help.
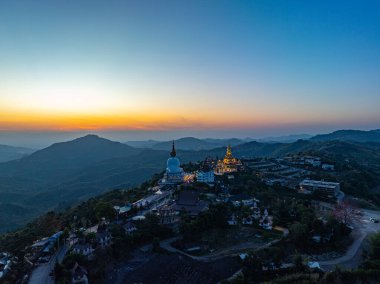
(229, 151)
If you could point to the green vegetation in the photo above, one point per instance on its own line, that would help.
(215, 217)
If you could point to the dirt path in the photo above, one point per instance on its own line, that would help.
(230, 251)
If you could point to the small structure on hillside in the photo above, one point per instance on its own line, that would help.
(83, 249)
(79, 274)
(130, 228)
(266, 221)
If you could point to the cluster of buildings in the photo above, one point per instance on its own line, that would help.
(263, 219)
(313, 161)
(5, 263)
(175, 175)
(188, 199)
(278, 172)
(101, 239)
(284, 172)
(42, 250)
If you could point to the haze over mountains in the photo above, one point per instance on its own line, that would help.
(191, 143)
(68, 172)
(8, 153)
(350, 135)
(188, 143)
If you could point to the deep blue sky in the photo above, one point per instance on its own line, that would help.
(252, 68)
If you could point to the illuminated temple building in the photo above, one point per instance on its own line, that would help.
(174, 173)
(229, 164)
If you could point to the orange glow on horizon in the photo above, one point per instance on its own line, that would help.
(26, 120)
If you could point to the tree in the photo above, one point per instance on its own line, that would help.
(344, 212)
(318, 226)
(298, 233)
(91, 237)
(104, 210)
(156, 244)
(298, 262)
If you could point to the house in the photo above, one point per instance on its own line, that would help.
(256, 212)
(266, 221)
(83, 249)
(314, 161)
(129, 228)
(232, 221)
(242, 199)
(72, 239)
(328, 167)
(103, 238)
(314, 265)
(247, 221)
(316, 239)
(79, 274)
(243, 256)
(122, 210)
(5, 264)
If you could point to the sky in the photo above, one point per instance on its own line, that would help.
(157, 69)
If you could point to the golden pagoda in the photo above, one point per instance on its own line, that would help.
(229, 164)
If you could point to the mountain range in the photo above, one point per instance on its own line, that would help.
(188, 143)
(70, 172)
(9, 153)
(196, 144)
(350, 135)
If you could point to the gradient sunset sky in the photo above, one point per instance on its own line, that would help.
(229, 68)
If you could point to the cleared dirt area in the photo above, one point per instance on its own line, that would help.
(220, 239)
(173, 268)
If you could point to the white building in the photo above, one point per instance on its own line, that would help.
(79, 274)
(206, 175)
(129, 228)
(314, 161)
(266, 221)
(232, 221)
(83, 249)
(328, 167)
(174, 173)
(328, 189)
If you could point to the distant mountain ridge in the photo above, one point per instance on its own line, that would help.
(68, 172)
(350, 135)
(286, 139)
(8, 153)
(188, 143)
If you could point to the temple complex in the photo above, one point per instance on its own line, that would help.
(229, 164)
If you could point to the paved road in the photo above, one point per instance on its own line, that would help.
(362, 228)
(41, 273)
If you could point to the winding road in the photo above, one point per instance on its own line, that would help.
(41, 274)
(230, 251)
(363, 227)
